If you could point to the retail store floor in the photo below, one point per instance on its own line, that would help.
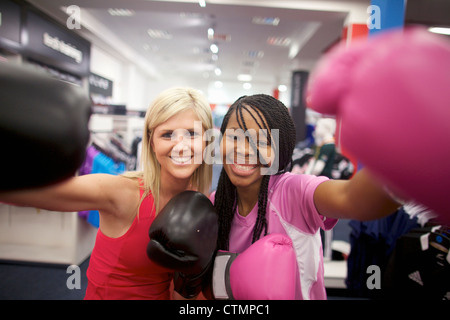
(40, 282)
(44, 282)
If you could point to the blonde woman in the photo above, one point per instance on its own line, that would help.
(172, 159)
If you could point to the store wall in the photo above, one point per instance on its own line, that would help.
(131, 87)
(138, 89)
(106, 66)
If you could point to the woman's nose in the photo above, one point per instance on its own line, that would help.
(245, 151)
(181, 142)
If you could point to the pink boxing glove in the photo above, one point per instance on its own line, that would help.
(267, 270)
(392, 94)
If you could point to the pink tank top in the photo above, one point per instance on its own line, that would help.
(119, 268)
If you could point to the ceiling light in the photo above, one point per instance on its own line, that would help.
(121, 12)
(271, 21)
(254, 54)
(218, 84)
(247, 86)
(202, 3)
(159, 34)
(279, 41)
(214, 48)
(440, 30)
(217, 71)
(210, 33)
(244, 77)
(282, 88)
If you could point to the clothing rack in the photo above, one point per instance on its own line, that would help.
(115, 135)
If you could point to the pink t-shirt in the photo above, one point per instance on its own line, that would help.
(291, 211)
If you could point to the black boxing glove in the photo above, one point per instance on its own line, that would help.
(183, 238)
(43, 127)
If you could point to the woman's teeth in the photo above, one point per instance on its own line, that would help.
(181, 159)
(244, 167)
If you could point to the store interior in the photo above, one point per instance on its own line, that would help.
(123, 53)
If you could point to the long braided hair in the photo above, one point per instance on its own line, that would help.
(271, 114)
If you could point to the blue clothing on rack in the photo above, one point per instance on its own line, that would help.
(103, 164)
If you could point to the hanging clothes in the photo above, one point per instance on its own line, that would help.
(372, 243)
(86, 168)
(419, 268)
(98, 162)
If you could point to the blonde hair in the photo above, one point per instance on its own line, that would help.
(167, 104)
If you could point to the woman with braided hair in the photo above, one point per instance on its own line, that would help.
(257, 195)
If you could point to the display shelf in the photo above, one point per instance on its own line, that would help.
(42, 236)
(335, 273)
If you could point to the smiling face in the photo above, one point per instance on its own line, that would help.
(246, 153)
(178, 145)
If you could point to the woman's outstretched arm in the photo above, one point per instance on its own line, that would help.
(360, 198)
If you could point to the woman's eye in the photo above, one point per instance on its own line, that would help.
(194, 134)
(262, 143)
